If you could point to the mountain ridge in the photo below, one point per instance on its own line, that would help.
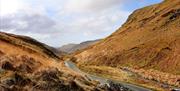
(71, 48)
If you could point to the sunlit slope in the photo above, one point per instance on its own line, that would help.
(28, 44)
(28, 65)
(149, 39)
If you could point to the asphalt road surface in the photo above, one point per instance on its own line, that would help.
(103, 81)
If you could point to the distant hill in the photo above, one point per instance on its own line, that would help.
(70, 48)
(67, 48)
(150, 39)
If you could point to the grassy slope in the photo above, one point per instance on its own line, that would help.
(123, 76)
(28, 65)
(28, 44)
(149, 39)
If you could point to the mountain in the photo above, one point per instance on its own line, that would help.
(149, 39)
(71, 48)
(67, 48)
(28, 65)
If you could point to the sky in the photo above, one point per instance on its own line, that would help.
(59, 22)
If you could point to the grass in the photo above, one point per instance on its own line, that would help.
(28, 44)
(122, 76)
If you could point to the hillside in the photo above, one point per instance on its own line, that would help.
(71, 48)
(30, 45)
(67, 48)
(28, 65)
(149, 39)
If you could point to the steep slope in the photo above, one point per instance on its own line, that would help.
(29, 44)
(28, 65)
(71, 48)
(150, 39)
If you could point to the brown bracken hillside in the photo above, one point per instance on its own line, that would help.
(28, 65)
(150, 39)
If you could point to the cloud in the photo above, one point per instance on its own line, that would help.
(93, 17)
(91, 5)
(98, 24)
(27, 23)
(59, 22)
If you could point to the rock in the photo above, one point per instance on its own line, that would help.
(7, 66)
(112, 86)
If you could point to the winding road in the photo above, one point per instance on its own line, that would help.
(103, 81)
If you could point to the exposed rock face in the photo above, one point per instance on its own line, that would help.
(150, 38)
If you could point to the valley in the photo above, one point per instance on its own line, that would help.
(143, 54)
(146, 45)
(106, 80)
